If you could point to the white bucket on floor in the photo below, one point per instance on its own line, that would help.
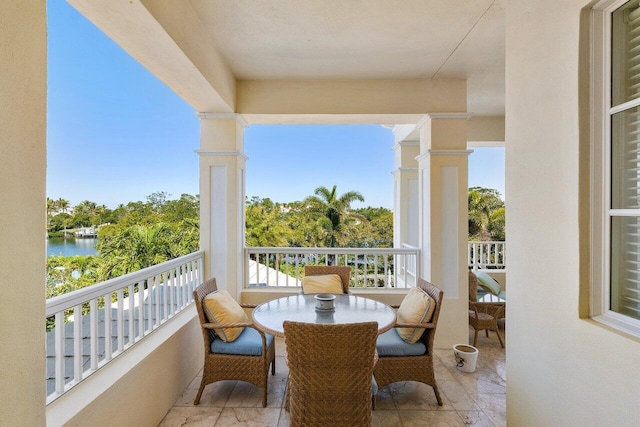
(466, 357)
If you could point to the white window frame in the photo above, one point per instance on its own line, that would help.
(601, 170)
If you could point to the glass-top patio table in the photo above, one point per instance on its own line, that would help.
(270, 315)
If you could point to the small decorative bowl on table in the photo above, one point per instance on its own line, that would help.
(325, 302)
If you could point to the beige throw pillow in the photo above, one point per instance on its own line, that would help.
(416, 307)
(324, 283)
(220, 307)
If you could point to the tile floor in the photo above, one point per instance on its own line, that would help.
(470, 399)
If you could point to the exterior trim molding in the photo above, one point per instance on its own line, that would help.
(235, 116)
(430, 116)
(443, 153)
(219, 153)
(405, 144)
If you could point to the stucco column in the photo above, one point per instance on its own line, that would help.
(23, 113)
(222, 174)
(443, 218)
(405, 193)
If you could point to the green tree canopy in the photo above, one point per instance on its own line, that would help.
(486, 214)
(333, 213)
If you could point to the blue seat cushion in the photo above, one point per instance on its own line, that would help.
(391, 344)
(249, 343)
(374, 386)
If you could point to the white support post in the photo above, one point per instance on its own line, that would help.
(443, 188)
(222, 204)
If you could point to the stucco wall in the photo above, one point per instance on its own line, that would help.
(22, 210)
(561, 370)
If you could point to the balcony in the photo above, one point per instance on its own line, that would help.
(469, 399)
(154, 341)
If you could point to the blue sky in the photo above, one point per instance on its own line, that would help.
(115, 134)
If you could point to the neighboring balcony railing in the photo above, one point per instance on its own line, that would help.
(78, 341)
(483, 255)
(379, 268)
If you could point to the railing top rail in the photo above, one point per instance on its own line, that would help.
(471, 242)
(347, 251)
(71, 299)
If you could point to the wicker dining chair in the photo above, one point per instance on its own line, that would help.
(343, 271)
(253, 369)
(330, 373)
(419, 367)
(483, 315)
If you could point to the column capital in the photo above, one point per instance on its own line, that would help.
(431, 116)
(404, 171)
(220, 153)
(443, 153)
(226, 116)
(405, 144)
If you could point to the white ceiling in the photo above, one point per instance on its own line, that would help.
(385, 39)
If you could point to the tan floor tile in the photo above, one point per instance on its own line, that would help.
(384, 400)
(495, 406)
(196, 381)
(410, 396)
(499, 366)
(476, 419)
(245, 395)
(191, 417)
(385, 419)
(483, 381)
(276, 390)
(285, 419)
(457, 396)
(249, 417)
(431, 419)
(214, 395)
(477, 399)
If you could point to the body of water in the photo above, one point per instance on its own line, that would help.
(57, 246)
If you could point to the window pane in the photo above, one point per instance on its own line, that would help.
(625, 159)
(625, 75)
(625, 266)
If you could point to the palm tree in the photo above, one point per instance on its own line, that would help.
(135, 248)
(63, 204)
(52, 206)
(333, 212)
(486, 214)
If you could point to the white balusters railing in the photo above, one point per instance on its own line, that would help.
(371, 268)
(89, 327)
(483, 255)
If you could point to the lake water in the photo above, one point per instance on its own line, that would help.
(57, 246)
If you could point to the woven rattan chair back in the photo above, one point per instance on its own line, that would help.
(483, 315)
(218, 367)
(473, 287)
(391, 369)
(330, 373)
(343, 271)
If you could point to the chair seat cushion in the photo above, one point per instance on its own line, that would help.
(481, 316)
(391, 344)
(248, 343)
